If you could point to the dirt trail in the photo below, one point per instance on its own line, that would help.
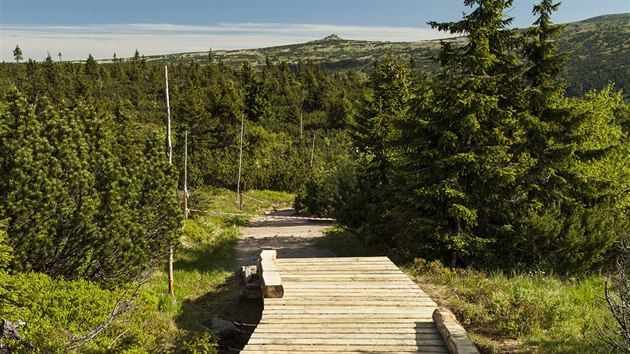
(281, 230)
(291, 237)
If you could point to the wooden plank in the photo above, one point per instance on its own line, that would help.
(346, 305)
(268, 255)
(339, 266)
(385, 322)
(339, 350)
(317, 351)
(334, 260)
(383, 318)
(350, 301)
(354, 306)
(393, 296)
(347, 341)
(345, 277)
(341, 303)
(327, 328)
(309, 325)
(355, 265)
(379, 286)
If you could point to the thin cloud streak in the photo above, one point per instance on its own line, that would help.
(102, 41)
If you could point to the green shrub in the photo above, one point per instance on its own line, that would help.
(55, 311)
(86, 198)
(328, 194)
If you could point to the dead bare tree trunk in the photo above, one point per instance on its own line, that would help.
(239, 198)
(169, 152)
(185, 177)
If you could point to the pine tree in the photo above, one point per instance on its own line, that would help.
(17, 54)
(82, 202)
(373, 134)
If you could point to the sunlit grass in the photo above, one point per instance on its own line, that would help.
(529, 312)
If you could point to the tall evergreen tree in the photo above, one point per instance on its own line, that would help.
(461, 166)
(568, 203)
(17, 54)
(387, 103)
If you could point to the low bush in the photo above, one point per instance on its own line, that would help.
(62, 315)
(56, 312)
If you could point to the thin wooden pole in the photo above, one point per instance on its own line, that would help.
(313, 149)
(169, 152)
(186, 176)
(301, 120)
(169, 146)
(240, 164)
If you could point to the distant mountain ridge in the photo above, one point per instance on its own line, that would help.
(598, 49)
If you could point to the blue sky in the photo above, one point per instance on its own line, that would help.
(77, 28)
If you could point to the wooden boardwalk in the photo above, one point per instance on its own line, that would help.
(346, 305)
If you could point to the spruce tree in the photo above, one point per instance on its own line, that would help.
(460, 165)
(17, 54)
(572, 206)
(373, 134)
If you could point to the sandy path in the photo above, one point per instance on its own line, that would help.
(291, 237)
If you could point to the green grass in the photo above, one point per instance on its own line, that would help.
(521, 312)
(221, 208)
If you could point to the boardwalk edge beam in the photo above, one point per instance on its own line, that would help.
(453, 333)
(271, 282)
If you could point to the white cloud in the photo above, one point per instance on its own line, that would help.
(102, 41)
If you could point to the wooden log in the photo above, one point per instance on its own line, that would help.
(270, 280)
(453, 333)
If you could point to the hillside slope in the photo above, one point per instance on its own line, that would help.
(598, 49)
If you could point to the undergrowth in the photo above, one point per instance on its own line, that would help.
(61, 314)
(348, 244)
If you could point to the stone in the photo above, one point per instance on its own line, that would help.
(222, 328)
(249, 274)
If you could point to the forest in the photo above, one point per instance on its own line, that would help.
(486, 164)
